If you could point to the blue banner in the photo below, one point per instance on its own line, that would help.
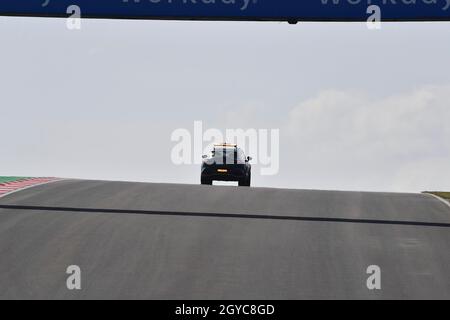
(251, 10)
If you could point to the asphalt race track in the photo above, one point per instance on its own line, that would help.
(163, 241)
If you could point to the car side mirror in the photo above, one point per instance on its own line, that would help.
(204, 156)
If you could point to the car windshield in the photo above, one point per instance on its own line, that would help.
(220, 152)
(230, 154)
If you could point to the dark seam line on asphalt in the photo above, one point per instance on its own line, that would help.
(227, 215)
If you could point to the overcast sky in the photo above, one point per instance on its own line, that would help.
(356, 109)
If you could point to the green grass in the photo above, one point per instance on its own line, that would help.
(10, 179)
(443, 195)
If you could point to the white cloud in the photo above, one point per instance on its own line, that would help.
(350, 140)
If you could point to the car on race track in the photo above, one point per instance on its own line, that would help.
(227, 162)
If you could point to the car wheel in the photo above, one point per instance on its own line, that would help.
(245, 182)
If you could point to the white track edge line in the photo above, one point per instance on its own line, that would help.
(440, 199)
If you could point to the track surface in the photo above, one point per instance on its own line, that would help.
(278, 244)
